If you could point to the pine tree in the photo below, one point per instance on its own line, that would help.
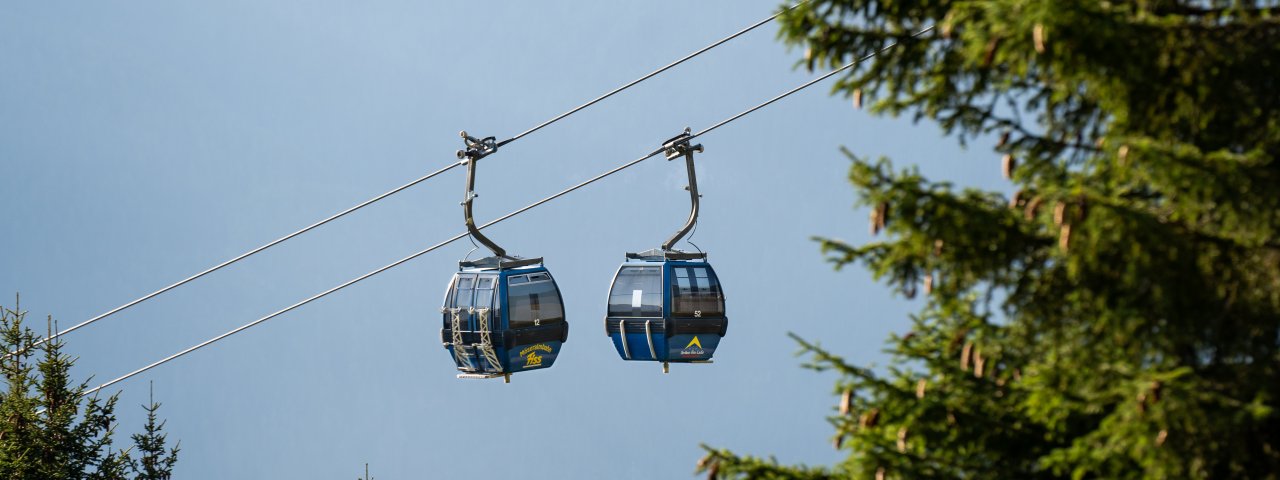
(1119, 316)
(155, 463)
(48, 429)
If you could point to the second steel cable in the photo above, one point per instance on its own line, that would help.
(493, 222)
(415, 182)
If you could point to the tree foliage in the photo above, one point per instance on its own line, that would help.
(155, 462)
(1119, 316)
(50, 431)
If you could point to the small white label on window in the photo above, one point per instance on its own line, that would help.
(636, 295)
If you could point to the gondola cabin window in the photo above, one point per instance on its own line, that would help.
(484, 295)
(533, 301)
(637, 292)
(466, 285)
(695, 292)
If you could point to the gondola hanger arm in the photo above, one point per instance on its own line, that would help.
(477, 148)
(679, 146)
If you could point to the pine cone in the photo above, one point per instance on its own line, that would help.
(870, 418)
(990, 55)
(1037, 34)
(1033, 208)
(1059, 213)
(979, 363)
(1004, 139)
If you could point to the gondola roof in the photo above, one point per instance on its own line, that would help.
(499, 263)
(659, 255)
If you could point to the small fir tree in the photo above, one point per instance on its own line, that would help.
(48, 429)
(155, 463)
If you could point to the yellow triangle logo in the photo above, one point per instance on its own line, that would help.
(694, 342)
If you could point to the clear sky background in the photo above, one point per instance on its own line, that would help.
(143, 141)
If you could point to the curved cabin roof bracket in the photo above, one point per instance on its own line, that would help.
(676, 147)
(476, 149)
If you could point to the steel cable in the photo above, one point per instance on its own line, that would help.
(651, 74)
(242, 256)
(493, 222)
(410, 184)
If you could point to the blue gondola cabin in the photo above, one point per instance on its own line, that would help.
(503, 320)
(666, 307)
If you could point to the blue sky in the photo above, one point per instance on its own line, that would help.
(141, 142)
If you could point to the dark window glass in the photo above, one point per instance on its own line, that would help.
(518, 279)
(696, 293)
(449, 294)
(636, 292)
(534, 303)
(484, 299)
(460, 297)
(682, 280)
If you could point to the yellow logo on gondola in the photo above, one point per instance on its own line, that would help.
(693, 349)
(530, 354)
(532, 360)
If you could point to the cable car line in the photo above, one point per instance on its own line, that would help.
(242, 256)
(652, 74)
(459, 236)
(410, 184)
(362, 277)
(806, 84)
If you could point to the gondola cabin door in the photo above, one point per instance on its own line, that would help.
(471, 313)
